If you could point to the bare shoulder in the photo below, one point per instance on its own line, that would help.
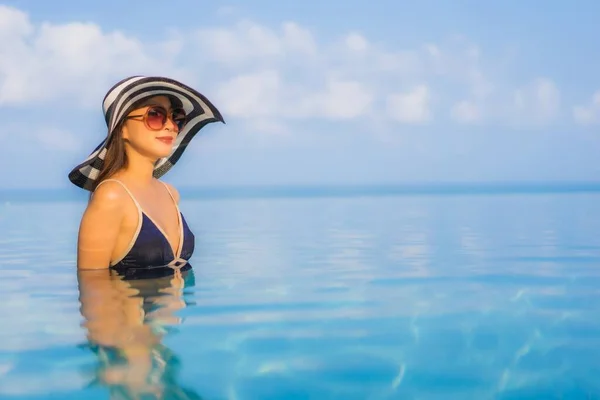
(109, 196)
(173, 190)
(100, 226)
(106, 204)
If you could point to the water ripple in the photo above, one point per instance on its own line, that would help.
(361, 298)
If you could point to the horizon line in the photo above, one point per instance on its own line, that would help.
(355, 184)
(296, 190)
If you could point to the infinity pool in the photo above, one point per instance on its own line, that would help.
(491, 296)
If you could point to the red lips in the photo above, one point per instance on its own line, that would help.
(166, 139)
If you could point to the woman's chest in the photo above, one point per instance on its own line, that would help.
(162, 214)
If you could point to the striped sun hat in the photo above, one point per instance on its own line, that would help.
(117, 104)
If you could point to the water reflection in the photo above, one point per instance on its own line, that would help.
(365, 299)
(125, 321)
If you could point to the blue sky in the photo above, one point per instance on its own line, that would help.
(335, 93)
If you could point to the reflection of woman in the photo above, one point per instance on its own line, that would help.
(133, 218)
(126, 320)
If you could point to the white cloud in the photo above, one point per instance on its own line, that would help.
(343, 100)
(337, 100)
(412, 107)
(14, 22)
(265, 94)
(356, 42)
(466, 111)
(249, 44)
(74, 62)
(258, 73)
(251, 95)
(536, 103)
(590, 113)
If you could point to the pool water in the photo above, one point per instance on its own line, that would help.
(474, 296)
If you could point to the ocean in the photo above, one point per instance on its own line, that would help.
(413, 292)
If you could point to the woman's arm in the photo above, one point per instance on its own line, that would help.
(100, 226)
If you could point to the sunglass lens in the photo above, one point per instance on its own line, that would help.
(179, 118)
(156, 118)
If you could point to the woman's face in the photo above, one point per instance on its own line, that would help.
(145, 133)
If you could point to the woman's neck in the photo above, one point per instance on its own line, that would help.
(139, 169)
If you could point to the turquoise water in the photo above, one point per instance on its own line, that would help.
(448, 294)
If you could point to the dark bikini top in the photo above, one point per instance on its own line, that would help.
(149, 246)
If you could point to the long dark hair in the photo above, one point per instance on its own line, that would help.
(116, 157)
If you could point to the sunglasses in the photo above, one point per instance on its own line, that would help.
(155, 118)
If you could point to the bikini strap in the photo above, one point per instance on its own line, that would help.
(124, 187)
(169, 190)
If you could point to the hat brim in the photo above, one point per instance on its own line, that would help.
(117, 103)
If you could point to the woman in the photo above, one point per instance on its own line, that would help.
(133, 220)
